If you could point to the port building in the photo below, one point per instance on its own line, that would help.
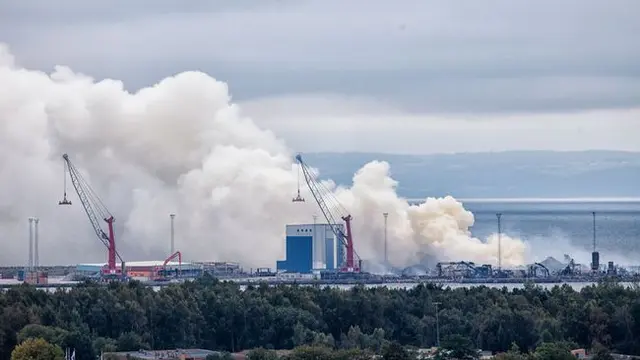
(145, 270)
(310, 247)
(178, 354)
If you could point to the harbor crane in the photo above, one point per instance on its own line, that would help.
(325, 198)
(93, 207)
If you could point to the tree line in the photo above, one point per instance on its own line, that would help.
(209, 314)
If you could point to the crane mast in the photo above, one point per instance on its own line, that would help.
(322, 197)
(93, 207)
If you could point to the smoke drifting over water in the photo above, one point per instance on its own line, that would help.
(183, 147)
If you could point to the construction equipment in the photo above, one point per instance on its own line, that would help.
(538, 270)
(94, 207)
(165, 273)
(570, 269)
(322, 195)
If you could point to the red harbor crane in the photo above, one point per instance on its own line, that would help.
(326, 200)
(94, 208)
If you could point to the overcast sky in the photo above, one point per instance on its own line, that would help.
(399, 76)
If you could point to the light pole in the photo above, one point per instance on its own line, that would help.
(594, 230)
(499, 216)
(386, 246)
(173, 249)
(437, 324)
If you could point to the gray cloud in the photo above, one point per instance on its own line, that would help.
(428, 56)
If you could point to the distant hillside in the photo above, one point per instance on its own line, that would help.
(504, 174)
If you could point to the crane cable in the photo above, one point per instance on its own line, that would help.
(298, 179)
(64, 177)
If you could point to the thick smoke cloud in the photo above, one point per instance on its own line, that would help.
(181, 146)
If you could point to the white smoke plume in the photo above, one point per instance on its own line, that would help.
(181, 146)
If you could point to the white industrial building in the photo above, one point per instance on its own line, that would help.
(311, 247)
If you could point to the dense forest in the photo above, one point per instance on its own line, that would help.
(220, 316)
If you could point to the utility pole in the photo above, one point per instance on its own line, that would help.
(499, 216)
(386, 247)
(173, 249)
(437, 324)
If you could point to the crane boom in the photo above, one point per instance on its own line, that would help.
(94, 207)
(173, 256)
(346, 239)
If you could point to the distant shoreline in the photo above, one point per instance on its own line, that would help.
(543, 200)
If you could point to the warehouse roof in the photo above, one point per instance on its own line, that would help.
(140, 264)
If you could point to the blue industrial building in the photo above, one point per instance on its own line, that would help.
(299, 255)
(311, 247)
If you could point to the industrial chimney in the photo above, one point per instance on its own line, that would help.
(30, 262)
(36, 252)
